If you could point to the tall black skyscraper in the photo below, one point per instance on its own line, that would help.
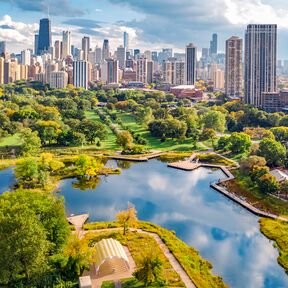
(213, 45)
(44, 40)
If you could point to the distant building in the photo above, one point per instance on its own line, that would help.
(260, 62)
(98, 55)
(26, 57)
(141, 70)
(36, 39)
(105, 50)
(81, 74)
(57, 49)
(2, 60)
(187, 91)
(126, 40)
(190, 64)
(66, 44)
(275, 101)
(214, 45)
(150, 69)
(3, 50)
(85, 47)
(45, 38)
(109, 71)
(233, 67)
(121, 56)
(58, 79)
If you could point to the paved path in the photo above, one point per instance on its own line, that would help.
(78, 220)
(171, 258)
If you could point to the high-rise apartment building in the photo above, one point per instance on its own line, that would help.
(86, 47)
(141, 69)
(121, 56)
(3, 48)
(105, 50)
(260, 62)
(2, 60)
(66, 44)
(26, 57)
(150, 70)
(44, 39)
(57, 49)
(58, 79)
(173, 71)
(126, 40)
(81, 74)
(214, 45)
(98, 55)
(109, 71)
(190, 64)
(36, 39)
(233, 67)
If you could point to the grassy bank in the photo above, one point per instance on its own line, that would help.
(278, 232)
(138, 243)
(195, 266)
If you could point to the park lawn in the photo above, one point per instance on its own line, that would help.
(13, 140)
(278, 232)
(110, 142)
(153, 142)
(138, 243)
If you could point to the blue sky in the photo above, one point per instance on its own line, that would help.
(152, 24)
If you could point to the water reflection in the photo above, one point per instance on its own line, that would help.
(7, 180)
(224, 232)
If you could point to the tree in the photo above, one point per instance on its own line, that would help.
(247, 164)
(27, 171)
(257, 172)
(23, 244)
(223, 143)
(214, 120)
(208, 134)
(268, 183)
(280, 133)
(87, 166)
(31, 143)
(127, 218)
(151, 267)
(124, 139)
(48, 131)
(274, 152)
(240, 142)
(92, 130)
(144, 116)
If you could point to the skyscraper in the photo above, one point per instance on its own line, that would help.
(233, 67)
(57, 49)
(110, 70)
(126, 40)
(2, 48)
(36, 39)
(213, 45)
(105, 49)
(44, 40)
(2, 60)
(260, 62)
(26, 57)
(190, 64)
(66, 44)
(81, 74)
(86, 47)
(141, 69)
(98, 55)
(121, 56)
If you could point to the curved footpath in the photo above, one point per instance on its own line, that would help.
(171, 258)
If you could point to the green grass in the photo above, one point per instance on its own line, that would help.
(138, 243)
(195, 266)
(153, 142)
(13, 140)
(110, 142)
(108, 284)
(278, 232)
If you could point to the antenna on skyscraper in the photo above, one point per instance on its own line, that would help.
(48, 11)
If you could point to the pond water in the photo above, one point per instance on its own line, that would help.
(6, 180)
(223, 232)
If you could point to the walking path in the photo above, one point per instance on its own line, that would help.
(173, 261)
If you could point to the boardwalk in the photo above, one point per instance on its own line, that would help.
(78, 220)
(189, 165)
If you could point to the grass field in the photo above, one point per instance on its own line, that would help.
(13, 140)
(110, 142)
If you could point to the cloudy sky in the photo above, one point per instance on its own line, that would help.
(152, 24)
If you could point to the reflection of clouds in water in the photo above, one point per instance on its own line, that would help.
(225, 233)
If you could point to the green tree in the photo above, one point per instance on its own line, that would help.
(247, 164)
(31, 143)
(214, 120)
(208, 134)
(150, 268)
(124, 139)
(240, 142)
(92, 130)
(268, 184)
(87, 166)
(27, 171)
(274, 152)
(280, 133)
(127, 218)
(23, 244)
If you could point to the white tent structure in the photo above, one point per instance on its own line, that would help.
(110, 258)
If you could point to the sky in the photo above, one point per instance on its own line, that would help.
(151, 24)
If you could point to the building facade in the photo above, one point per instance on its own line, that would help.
(233, 67)
(260, 62)
(81, 74)
(44, 38)
(190, 64)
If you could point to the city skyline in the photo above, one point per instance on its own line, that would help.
(109, 19)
